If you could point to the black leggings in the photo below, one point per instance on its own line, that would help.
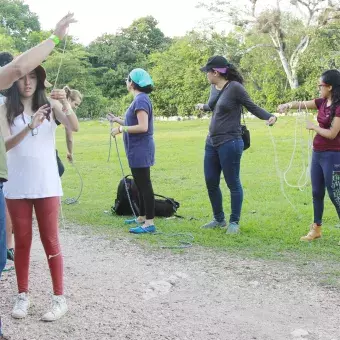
(146, 197)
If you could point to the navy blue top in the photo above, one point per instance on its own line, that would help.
(139, 147)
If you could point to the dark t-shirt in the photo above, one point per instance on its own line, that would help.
(324, 119)
(139, 147)
(225, 123)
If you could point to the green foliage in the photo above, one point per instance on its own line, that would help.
(179, 83)
(99, 70)
(18, 21)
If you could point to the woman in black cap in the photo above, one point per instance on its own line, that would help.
(224, 144)
(325, 167)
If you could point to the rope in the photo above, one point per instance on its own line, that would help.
(61, 60)
(125, 183)
(306, 168)
(73, 200)
(53, 132)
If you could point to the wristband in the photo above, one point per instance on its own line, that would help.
(123, 129)
(55, 39)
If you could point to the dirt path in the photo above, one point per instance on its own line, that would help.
(118, 290)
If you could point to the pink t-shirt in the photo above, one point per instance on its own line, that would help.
(324, 112)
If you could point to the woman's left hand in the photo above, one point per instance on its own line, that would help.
(272, 120)
(309, 125)
(115, 131)
(59, 95)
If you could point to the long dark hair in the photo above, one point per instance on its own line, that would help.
(332, 77)
(233, 74)
(14, 105)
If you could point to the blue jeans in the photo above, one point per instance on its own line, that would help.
(325, 173)
(226, 158)
(3, 246)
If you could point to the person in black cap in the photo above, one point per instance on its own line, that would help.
(325, 167)
(224, 144)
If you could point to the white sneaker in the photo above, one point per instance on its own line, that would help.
(22, 303)
(59, 309)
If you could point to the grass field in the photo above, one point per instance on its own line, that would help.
(270, 226)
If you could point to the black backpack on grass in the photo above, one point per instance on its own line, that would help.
(164, 206)
(122, 205)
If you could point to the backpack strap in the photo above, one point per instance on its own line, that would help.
(174, 205)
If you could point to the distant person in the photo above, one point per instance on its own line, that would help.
(74, 98)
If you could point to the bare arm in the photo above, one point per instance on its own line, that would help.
(120, 121)
(113, 119)
(143, 123)
(330, 133)
(12, 141)
(29, 60)
(310, 104)
(141, 127)
(69, 141)
(63, 111)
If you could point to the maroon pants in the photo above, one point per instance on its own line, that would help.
(47, 213)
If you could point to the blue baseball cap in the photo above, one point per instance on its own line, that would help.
(141, 77)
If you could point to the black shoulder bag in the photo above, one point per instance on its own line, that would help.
(245, 133)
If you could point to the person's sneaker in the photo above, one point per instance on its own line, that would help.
(59, 309)
(314, 233)
(10, 254)
(143, 230)
(9, 266)
(22, 303)
(214, 224)
(233, 228)
(133, 221)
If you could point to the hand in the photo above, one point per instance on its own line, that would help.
(199, 107)
(309, 125)
(111, 118)
(39, 116)
(283, 108)
(272, 120)
(59, 95)
(114, 132)
(63, 24)
(69, 157)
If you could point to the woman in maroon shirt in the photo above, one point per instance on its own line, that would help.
(325, 167)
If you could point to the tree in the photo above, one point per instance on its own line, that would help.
(7, 43)
(314, 14)
(145, 35)
(114, 56)
(179, 83)
(18, 21)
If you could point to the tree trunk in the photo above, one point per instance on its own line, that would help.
(290, 73)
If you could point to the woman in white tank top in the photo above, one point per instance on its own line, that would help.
(28, 124)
